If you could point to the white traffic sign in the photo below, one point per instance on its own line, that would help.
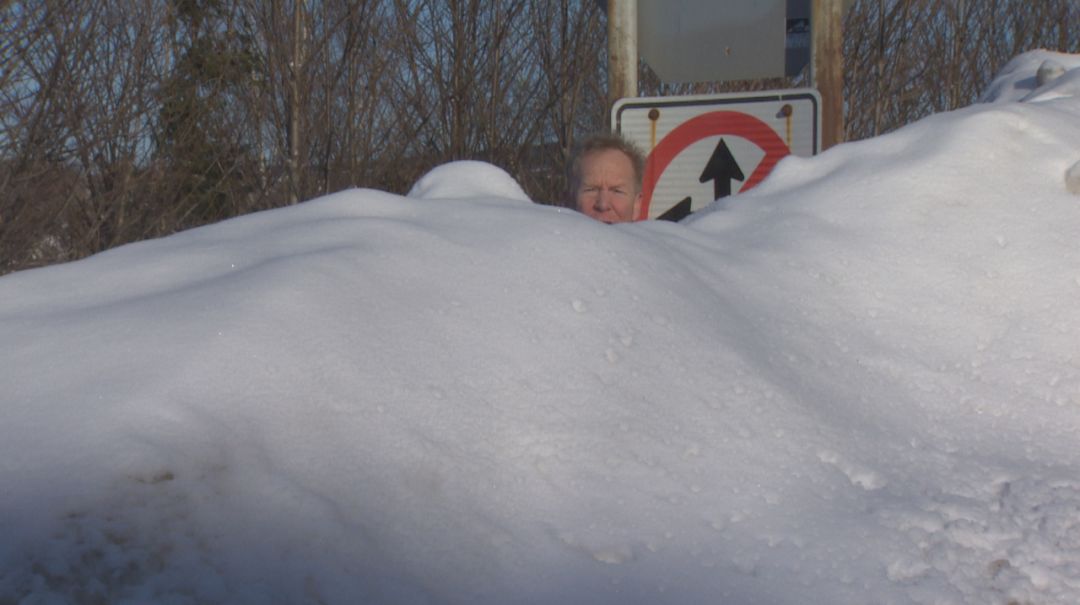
(701, 148)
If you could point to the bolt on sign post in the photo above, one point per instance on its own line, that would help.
(701, 148)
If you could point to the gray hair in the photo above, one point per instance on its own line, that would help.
(604, 142)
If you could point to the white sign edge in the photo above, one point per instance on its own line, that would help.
(721, 99)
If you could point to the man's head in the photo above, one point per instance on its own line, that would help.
(605, 179)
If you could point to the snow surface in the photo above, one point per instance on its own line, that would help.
(858, 383)
(468, 179)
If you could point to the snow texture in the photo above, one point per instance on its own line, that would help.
(468, 179)
(858, 383)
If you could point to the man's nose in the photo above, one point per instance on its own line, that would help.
(603, 200)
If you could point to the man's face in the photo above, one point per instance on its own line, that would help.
(607, 190)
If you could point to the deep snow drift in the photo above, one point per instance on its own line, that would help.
(858, 383)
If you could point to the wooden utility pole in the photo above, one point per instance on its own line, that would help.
(296, 67)
(827, 62)
(622, 49)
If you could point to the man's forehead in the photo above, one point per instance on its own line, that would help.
(615, 159)
(606, 176)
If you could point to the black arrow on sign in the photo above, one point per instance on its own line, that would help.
(677, 212)
(721, 169)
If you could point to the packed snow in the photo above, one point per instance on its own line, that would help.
(857, 383)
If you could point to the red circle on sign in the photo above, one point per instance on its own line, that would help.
(709, 125)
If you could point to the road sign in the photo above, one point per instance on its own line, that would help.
(703, 41)
(701, 148)
(706, 40)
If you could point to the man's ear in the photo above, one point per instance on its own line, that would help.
(637, 206)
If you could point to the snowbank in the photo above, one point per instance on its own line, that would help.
(858, 383)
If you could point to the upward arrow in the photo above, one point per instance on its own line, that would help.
(721, 169)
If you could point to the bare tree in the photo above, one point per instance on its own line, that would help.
(572, 62)
(46, 50)
(910, 58)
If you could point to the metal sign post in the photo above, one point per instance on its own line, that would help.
(622, 49)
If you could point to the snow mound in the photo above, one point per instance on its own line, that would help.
(468, 179)
(1037, 75)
